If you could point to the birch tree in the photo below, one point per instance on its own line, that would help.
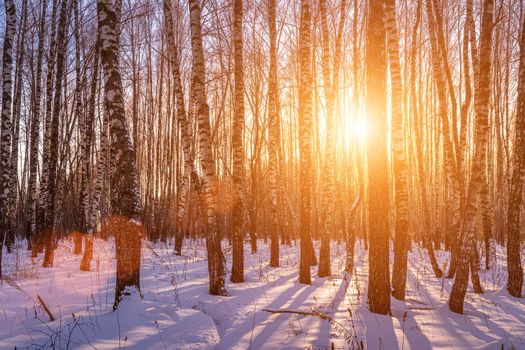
(515, 281)
(237, 274)
(125, 194)
(50, 211)
(399, 271)
(273, 136)
(202, 111)
(17, 115)
(331, 87)
(376, 65)
(46, 151)
(184, 126)
(92, 203)
(35, 129)
(305, 140)
(467, 238)
(5, 129)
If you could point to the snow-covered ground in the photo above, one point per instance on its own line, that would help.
(176, 311)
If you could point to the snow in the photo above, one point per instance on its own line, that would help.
(176, 311)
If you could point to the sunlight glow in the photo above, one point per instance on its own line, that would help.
(354, 128)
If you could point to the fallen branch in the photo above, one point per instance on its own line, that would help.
(46, 309)
(287, 311)
(351, 339)
(415, 301)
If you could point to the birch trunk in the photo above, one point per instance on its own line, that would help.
(125, 191)
(6, 130)
(451, 165)
(46, 155)
(17, 103)
(468, 229)
(92, 207)
(52, 175)
(237, 273)
(331, 86)
(85, 146)
(213, 240)
(273, 139)
(184, 127)
(35, 129)
(377, 155)
(515, 270)
(399, 273)
(305, 141)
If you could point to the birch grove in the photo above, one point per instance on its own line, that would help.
(260, 125)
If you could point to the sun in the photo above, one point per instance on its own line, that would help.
(354, 128)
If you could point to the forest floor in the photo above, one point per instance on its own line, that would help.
(176, 311)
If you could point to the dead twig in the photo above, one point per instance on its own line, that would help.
(46, 309)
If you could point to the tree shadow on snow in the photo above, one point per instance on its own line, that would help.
(280, 320)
